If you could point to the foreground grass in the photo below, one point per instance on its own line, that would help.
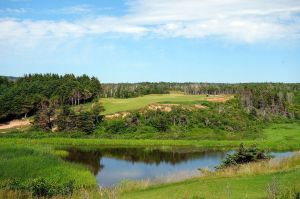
(275, 178)
(113, 105)
(221, 187)
(267, 179)
(21, 166)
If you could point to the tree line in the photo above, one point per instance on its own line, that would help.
(50, 96)
(127, 90)
(24, 96)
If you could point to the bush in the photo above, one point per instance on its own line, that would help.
(243, 155)
(42, 187)
(116, 126)
(158, 120)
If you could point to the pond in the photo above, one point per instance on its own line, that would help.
(112, 165)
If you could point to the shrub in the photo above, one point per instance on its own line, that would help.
(116, 126)
(243, 155)
(158, 120)
(42, 187)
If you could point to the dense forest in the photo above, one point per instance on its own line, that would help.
(50, 96)
(127, 90)
(22, 97)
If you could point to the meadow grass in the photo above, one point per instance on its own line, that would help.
(23, 164)
(114, 105)
(279, 137)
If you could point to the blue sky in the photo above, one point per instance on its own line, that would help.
(153, 40)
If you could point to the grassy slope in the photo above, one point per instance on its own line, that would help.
(25, 163)
(113, 105)
(219, 187)
(276, 137)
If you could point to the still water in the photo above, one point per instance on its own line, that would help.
(112, 165)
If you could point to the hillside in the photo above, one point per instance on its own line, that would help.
(115, 105)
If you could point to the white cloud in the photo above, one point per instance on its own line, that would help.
(8, 11)
(242, 20)
(78, 9)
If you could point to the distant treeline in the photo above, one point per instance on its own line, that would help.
(127, 90)
(23, 96)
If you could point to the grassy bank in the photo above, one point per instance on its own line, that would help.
(267, 179)
(39, 169)
(255, 186)
(276, 137)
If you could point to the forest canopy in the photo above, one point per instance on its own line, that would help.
(44, 94)
(22, 97)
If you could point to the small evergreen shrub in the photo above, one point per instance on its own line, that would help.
(244, 155)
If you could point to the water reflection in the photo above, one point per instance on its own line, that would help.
(111, 165)
(89, 158)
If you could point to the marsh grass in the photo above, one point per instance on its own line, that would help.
(275, 190)
(40, 169)
(285, 136)
(256, 168)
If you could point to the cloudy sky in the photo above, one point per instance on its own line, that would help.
(153, 40)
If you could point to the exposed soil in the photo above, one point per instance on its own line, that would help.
(218, 99)
(161, 107)
(154, 107)
(199, 106)
(117, 115)
(15, 124)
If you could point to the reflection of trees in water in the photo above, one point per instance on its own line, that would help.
(155, 156)
(147, 156)
(90, 158)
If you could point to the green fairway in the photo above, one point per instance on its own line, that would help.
(113, 105)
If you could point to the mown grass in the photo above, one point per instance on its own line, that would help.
(114, 105)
